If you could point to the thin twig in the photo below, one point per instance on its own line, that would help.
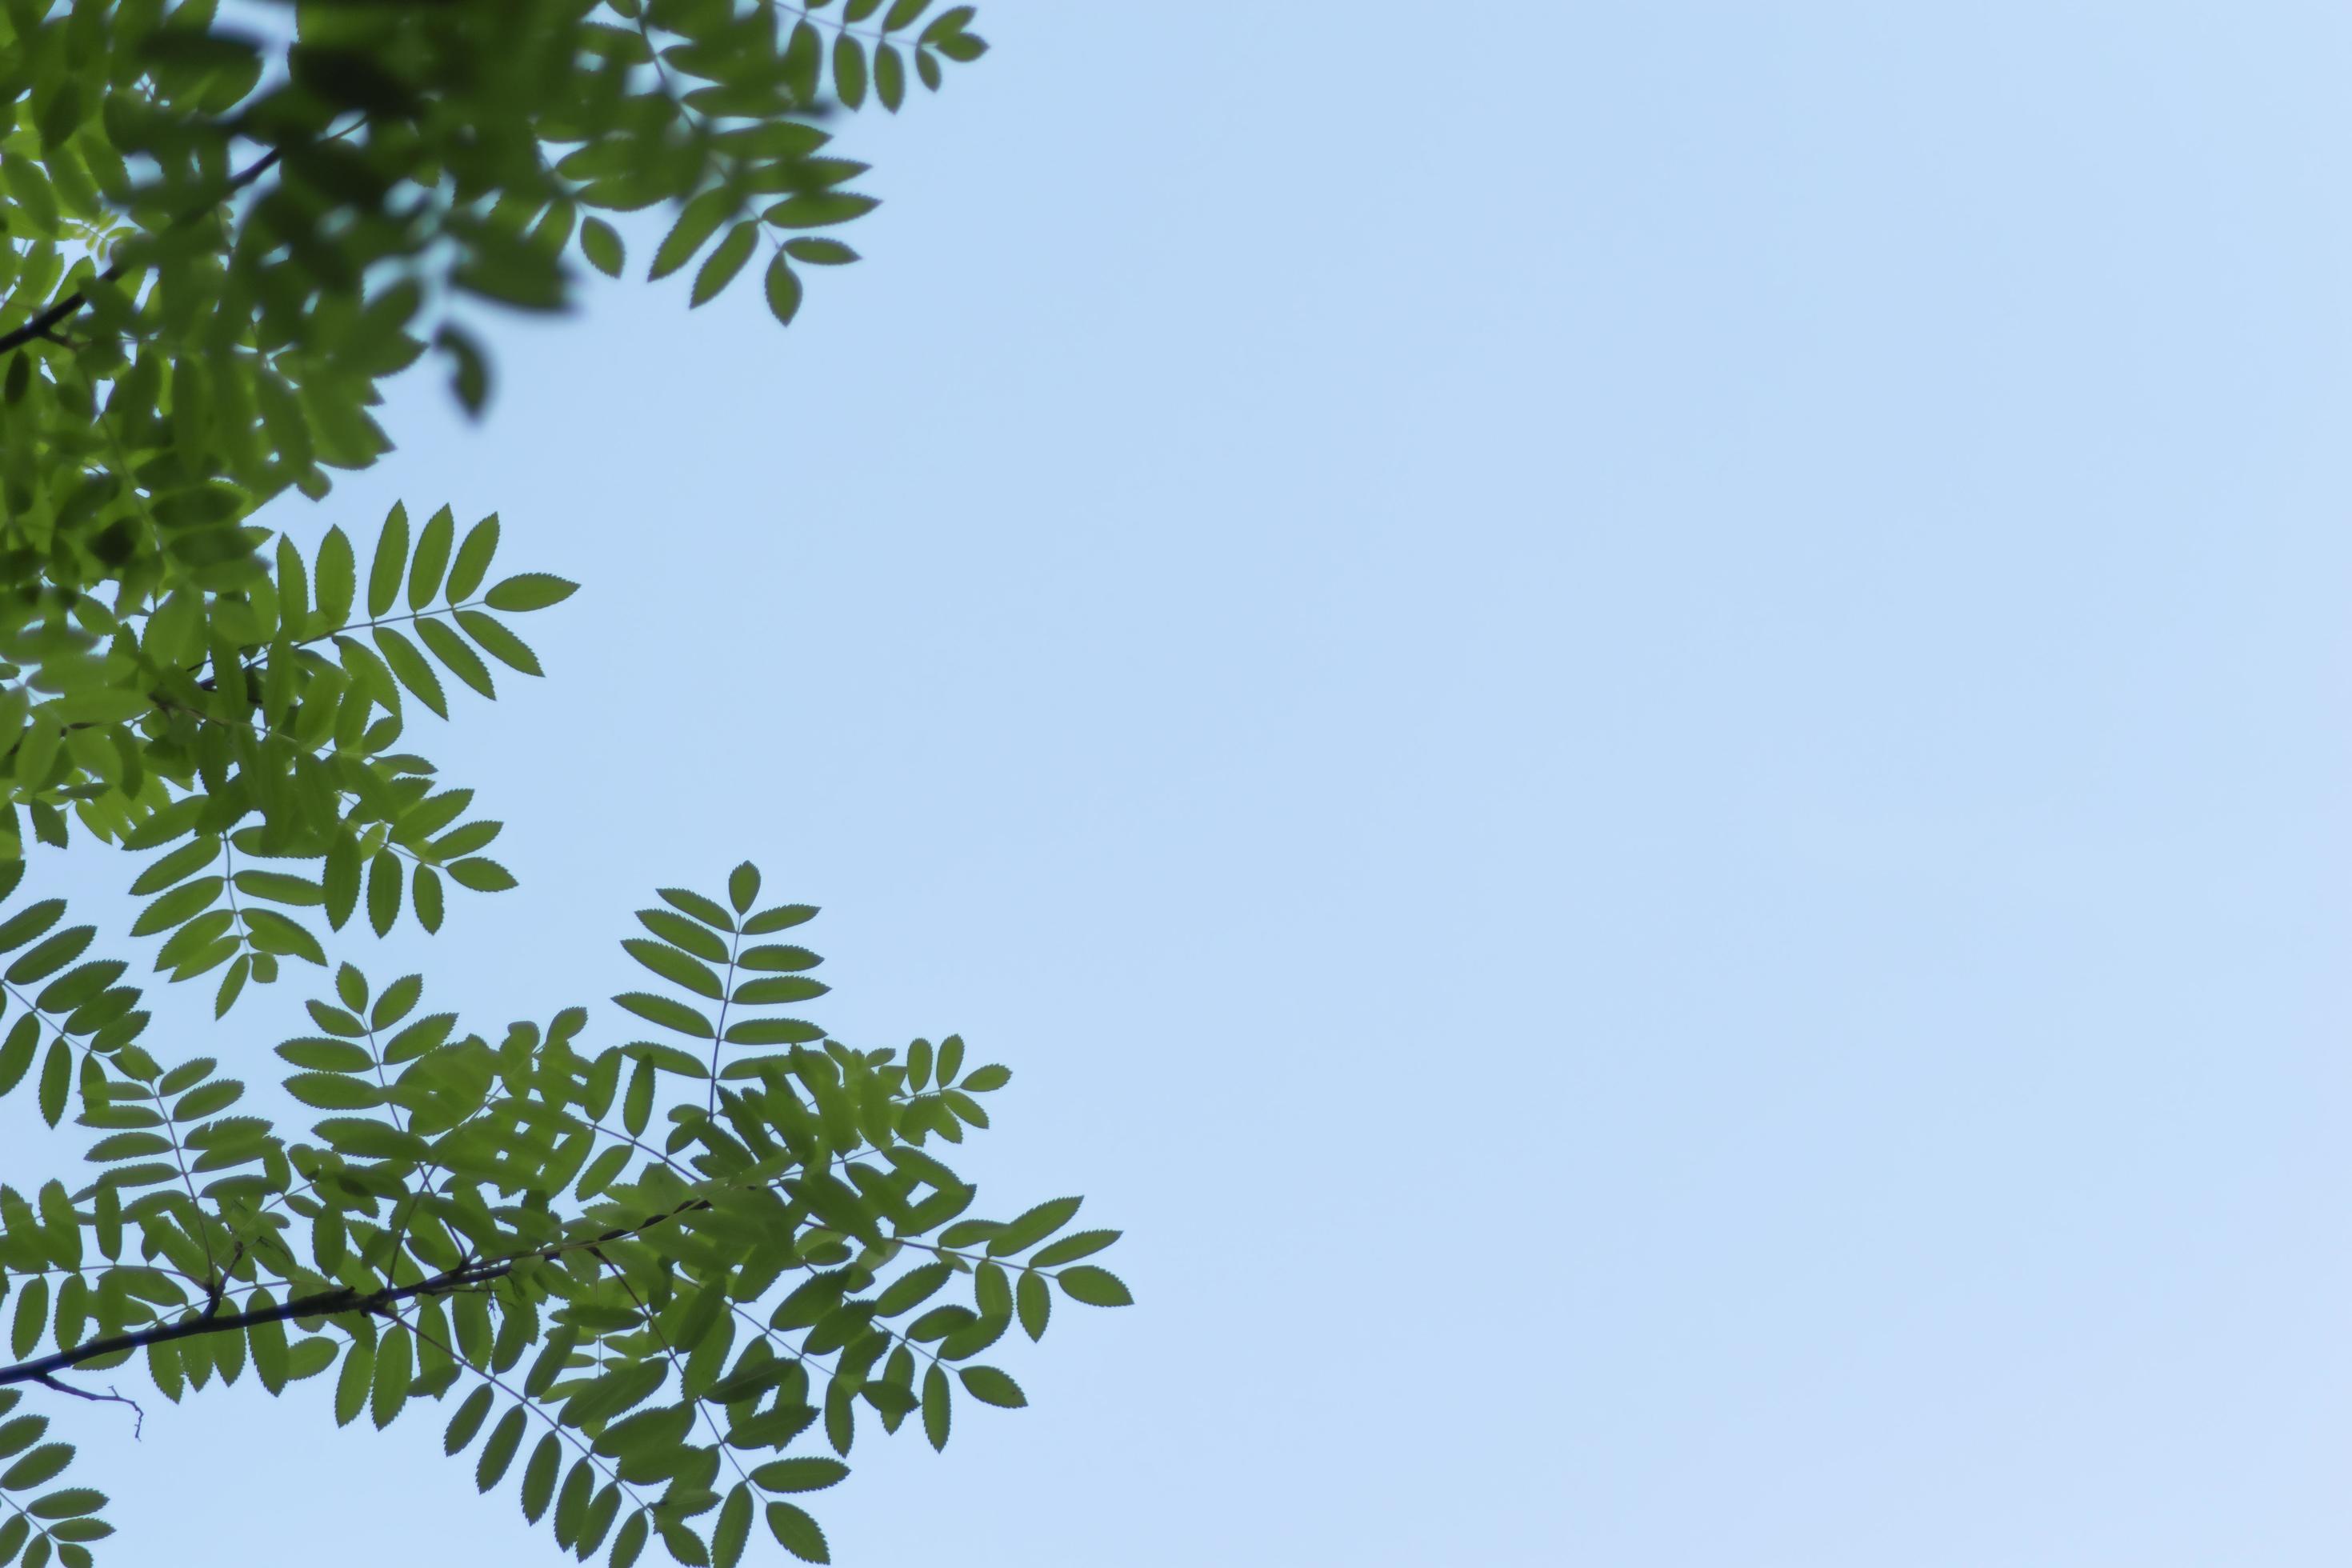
(138, 1416)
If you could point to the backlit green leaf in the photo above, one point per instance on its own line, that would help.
(670, 1014)
(601, 244)
(798, 1533)
(809, 1475)
(1095, 1286)
(391, 560)
(499, 1451)
(720, 267)
(528, 590)
(432, 558)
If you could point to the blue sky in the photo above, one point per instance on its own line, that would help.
(1633, 717)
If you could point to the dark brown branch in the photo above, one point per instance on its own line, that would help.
(324, 1304)
(219, 1291)
(44, 324)
(335, 1303)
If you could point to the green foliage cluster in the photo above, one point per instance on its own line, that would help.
(659, 1268)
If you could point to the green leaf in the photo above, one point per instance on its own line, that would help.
(56, 1078)
(778, 919)
(698, 905)
(426, 894)
(1035, 1302)
(779, 990)
(935, 1406)
(539, 1476)
(73, 1503)
(1095, 1286)
(482, 876)
(571, 1503)
(819, 252)
(42, 1464)
(503, 645)
(797, 1533)
(1070, 1249)
(719, 269)
(209, 1099)
(955, 19)
(772, 1032)
(849, 69)
(334, 1091)
(498, 1452)
(461, 660)
(309, 1358)
(804, 62)
(336, 579)
(267, 1342)
(812, 1475)
(819, 209)
(528, 590)
(599, 242)
(272, 933)
(180, 905)
(679, 931)
(637, 1104)
(17, 1052)
(630, 1542)
(472, 561)
(676, 967)
(51, 956)
(18, 1435)
(432, 556)
(396, 1001)
(186, 1076)
(469, 378)
(383, 891)
(30, 1323)
(391, 559)
(991, 1386)
(76, 987)
(699, 221)
(409, 667)
(743, 886)
(602, 1172)
(280, 888)
(784, 290)
(182, 862)
(467, 1421)
(733, 1530)
(683, 1544)
(354, 1382)
(368, 674)
(393, 1372)
(668, 1014)
(776, 957)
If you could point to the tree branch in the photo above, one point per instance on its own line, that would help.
(44, 324)
(321, 1304)
(138, 1416)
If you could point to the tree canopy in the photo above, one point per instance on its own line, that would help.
(659, 1264)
